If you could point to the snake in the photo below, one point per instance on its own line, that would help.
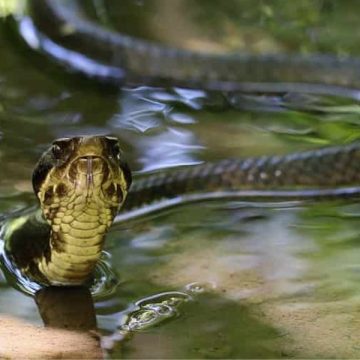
(65, 34)
(83, 182)
(80, 183)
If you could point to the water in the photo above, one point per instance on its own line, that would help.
(221, 279)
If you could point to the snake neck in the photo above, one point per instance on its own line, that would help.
(76, 240)
(64, 251)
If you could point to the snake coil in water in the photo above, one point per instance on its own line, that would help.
(81, 45)
(82, 182)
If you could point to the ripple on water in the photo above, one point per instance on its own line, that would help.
(153, 310)
(104, 283)
(173, 147)
(139, 112)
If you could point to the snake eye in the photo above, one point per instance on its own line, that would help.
(116, 150)
(60, 147)
(56, 151)
(115, 147)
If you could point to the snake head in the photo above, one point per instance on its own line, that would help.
(82, 170)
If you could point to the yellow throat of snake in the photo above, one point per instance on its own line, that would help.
(81, 183)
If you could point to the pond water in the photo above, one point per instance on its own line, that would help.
(215, 280)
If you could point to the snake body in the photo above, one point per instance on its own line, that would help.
(77, 42)
(82, 182)
(292, 175)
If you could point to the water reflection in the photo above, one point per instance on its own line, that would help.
(70, 308)
(139, 112)
(177, 148)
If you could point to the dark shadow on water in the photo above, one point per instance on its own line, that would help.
(70, 308)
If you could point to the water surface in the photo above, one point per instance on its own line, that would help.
(226, 279)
